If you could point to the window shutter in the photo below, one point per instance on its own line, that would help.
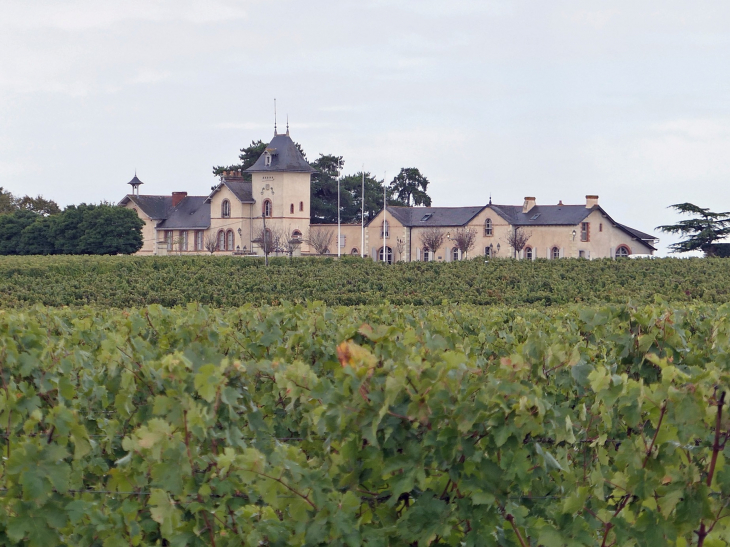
(549, 254)
(521, 254)
(418, 254)
(612, 252)
(448, 254)
(534, 253)
(375, 254)
(561, 253)
(460, 255)
(588, 255)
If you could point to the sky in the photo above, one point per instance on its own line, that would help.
(629, 100)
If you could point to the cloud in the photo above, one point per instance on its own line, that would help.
(93, 14)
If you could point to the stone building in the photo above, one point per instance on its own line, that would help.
(231, 219)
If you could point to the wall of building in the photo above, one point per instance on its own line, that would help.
(149, 234)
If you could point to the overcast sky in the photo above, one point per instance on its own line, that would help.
(629, 100)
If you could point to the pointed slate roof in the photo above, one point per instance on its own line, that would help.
(285, 156)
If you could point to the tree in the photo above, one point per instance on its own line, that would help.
(67, 229)
(39, 204)
(400, 246)
(432, 238)
(701, 232)
(248, 157)
(109, 230)
(8, 202)
(320, 238)
(517, 239)
(211, 243)
(464, 239)
(11, 229)
(323, 203)
(38, 237)
(409, 185)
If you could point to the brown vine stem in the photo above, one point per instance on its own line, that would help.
(285, 485)
(716, 449)
(511, 520)
(662, 412)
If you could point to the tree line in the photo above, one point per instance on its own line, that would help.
(408, 188)
(37, 226)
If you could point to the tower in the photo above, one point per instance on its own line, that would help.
(281, 186)
(135, 183)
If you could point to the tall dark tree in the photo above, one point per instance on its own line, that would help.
(38, 238)
(11, 229)
(7, 202)
(323, 203)
(373, 197)
(67, 229)
(248, 157)
(107, 229)
(701, 232)
(410, 185)
(39, 204)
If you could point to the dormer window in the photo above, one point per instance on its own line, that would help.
(267, 159)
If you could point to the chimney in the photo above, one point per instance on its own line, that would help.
(591, 201)
(529, 204)
(177, 197)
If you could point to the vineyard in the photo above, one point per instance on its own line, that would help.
(122, 282)
(303, 424)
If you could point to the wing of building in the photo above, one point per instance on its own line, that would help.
(273, 209)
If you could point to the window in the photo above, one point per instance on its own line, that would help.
(301, 206)
(555, 252)
(528, 253)
(184, 236)
(585, 231)
(229, 240)
(488, 227)
(355, 252)
(291, 209)
(267, 159)
(267, 208)
(455, 254)
(600, 227)
(535, 217)
(296, 234)
(385, 229)
(226, 209)
(488, 251)
(388, 255)
(427, 255)
(426, 217)
(581, 254)
(168, 239)
(622, 250)
(199, 240)
(221, 241)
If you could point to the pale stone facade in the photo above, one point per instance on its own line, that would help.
(230, 220)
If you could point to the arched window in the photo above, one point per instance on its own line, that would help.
(226, 209)
(296, 234)
(488, 231)
(388, 255)
(555, 252)
(301, 206)
(488, 251)
(385, 229)
(221, 241)
(455, 254)
(354, 252)
(528, 253)
(291, 209)
(267, 208)
(622, 250)
(229, 240)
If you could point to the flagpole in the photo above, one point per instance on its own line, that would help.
(385, 216)
(339, 237)
(362, 216)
